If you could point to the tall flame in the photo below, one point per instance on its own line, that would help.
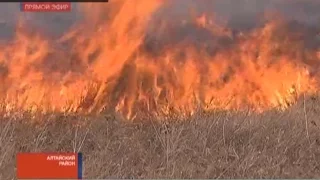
(125, 57)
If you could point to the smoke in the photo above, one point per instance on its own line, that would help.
(240, 14)
(174, 23)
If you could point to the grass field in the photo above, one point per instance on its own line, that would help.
(208, 145)
(165, 55)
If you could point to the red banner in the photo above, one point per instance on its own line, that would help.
(49, 165)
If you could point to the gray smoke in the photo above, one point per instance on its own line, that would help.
(240, 14)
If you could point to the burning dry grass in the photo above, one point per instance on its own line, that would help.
(151, 60)
(220, 144)
(125, 59)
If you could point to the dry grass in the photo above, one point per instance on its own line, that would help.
(214, 145)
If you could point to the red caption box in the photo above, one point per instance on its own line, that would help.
(49, 166)
(45, 6)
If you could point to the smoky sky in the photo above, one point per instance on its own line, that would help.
(238, 13)
(243, 12)
(54, 23)
(165, 28)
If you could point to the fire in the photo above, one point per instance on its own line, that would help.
(127, 59)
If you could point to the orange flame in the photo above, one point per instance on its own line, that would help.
(122, 58)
